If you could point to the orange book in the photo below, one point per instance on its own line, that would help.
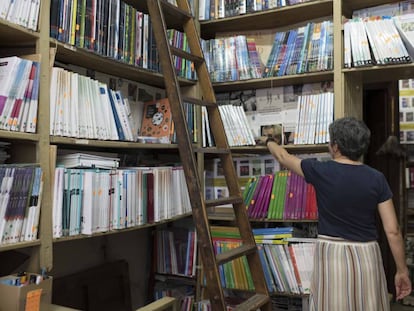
(157, 120)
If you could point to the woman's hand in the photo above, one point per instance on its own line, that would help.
(402, 285)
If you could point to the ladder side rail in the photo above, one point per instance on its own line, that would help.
(186, 153)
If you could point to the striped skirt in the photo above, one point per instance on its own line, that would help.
(348, 276)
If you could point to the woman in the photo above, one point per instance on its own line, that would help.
(348, 271)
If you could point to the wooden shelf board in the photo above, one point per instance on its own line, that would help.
(117, 231)
(10, 135)
(69, 54)
(269, 19)
(292, 148)
(382, 73)
(351, 5)
(12, 35)
(88, 143)
(18, 245)
(273, 81)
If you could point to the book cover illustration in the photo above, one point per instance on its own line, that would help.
(157, 121)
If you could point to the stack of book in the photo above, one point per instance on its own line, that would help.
(21, 12)
(19, 85)
(21, 193)
(92, 200)
(283, 195)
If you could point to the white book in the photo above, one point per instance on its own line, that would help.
(24, 13)
(53, 98)
(11, 11)
(404, 24)
(83, 109)
(4, 7)
(74, 106)
(108, 114)
(28, 122)
(139, 199)
(87, 160)
(58, 202)
(104, 200)
(33, 18)
(16, 93)
(87, 202)
(101, 130)
(91, 127)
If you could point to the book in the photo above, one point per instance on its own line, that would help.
(72, 160)
(157, 120)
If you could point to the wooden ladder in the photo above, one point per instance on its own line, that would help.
(182, 12)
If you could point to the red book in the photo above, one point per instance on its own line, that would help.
(150, 196)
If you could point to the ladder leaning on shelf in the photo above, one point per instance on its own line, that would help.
(211, 262)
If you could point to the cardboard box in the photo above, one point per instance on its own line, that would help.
(13, 297)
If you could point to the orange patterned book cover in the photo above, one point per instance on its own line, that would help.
(157, 120)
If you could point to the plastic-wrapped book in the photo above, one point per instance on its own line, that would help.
(87, 160)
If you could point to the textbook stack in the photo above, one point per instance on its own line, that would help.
(21, 12)
(234, 274)
(232, 58)
(20, 197)
(282, 195)
(88, 201)
(222, 9)
(315, 114)
(19, 91)
(176, 250)
(82, 107)
(287, 267)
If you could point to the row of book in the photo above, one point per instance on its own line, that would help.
(176, 251)
(215, 9)
(21, 12)
(108, 27)
(283, 195)
(83, 107)
(86, 108)
(378, 41)
(235, 125)
(19, 94)
(315, 114)
(287, 266)
(388, 9)
(232, 58)
(111, 28)
(183, 67)
(304, 49)
(20, 200)
(88, 201)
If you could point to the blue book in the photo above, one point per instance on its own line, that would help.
(121, 134)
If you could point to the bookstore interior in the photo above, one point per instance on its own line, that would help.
(96, 202)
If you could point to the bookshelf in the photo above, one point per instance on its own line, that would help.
(16, 40)
(349, 83)
(46, 251)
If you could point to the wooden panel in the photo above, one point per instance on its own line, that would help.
(269, 19)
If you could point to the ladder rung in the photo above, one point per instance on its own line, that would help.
(183, 54)
(174, 11)
(197, 101)
(235, 253)
(253, 303)
(213, 150)
(228, 200)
